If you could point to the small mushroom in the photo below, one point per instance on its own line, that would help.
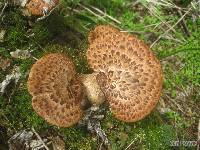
(127, 71)
(56, 90)
(40, 7)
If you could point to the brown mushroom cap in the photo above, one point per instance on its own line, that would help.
(38, 7)
(102, 31)
(129, 74)
(56, 90)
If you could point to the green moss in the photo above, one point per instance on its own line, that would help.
(25, 66)
(77, 55)
(19, 112)
(146, 133)
(78, 138)
(41, 34)
(16, 26)
(4, 52)
(15, 37)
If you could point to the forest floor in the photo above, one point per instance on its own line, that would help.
(171, 30)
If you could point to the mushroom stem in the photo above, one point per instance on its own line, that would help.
(95, 97)
(92, 89)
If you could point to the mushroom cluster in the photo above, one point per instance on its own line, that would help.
(126, 74)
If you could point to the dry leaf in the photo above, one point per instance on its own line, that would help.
(21, 54)
(20, 140)
(14, 76)
(25, 140)
(4, 63)
(58, 144)
(2, 34)
(92, 119)
(37, 144)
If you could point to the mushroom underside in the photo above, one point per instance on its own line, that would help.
(127, 71)
(126, 74)
(56, 90)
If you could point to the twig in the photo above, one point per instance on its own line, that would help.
(176, 104)
(196, 7)
(4, 7)
(133, 4)
(100, 146)
(154, 24)
(46, 15)
(130, 144)
(163, 22)
(172, 27)
(96, 15)
(165, 3)
(92, 12)
(169, 37)
(136, 138)
(40, 139)
(198, 138)
(73, 9)
(157, 16)
(182, 22)
(105, 14)
(34, 58)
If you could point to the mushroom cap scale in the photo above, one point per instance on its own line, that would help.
(128, 73)
(56, 90)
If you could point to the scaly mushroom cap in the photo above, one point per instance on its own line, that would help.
(39, 7)
(128, 73)
(56, 90)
